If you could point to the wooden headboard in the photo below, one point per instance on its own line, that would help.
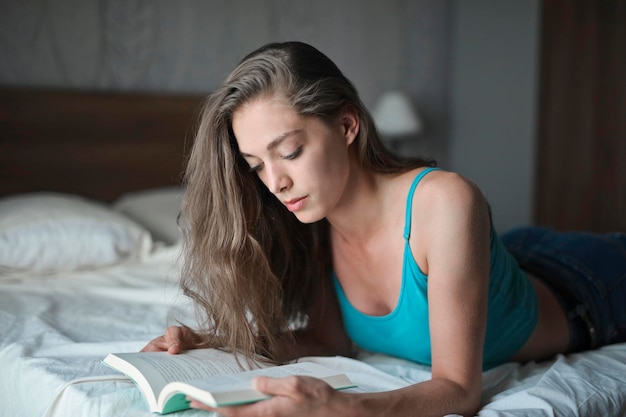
(95, 144)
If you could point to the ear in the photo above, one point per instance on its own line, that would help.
(350, 124)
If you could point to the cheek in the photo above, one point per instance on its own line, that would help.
(333, 174)
(263, 179)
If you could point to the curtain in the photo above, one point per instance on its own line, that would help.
(581, 161)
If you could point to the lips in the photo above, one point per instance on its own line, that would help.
(295, 204)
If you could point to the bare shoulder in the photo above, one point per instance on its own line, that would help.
(448, 190)
(440, 197)
(447, 202)
(451, 224)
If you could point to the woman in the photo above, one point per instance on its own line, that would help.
(294, 217)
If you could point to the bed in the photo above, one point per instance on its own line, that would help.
(104, 170)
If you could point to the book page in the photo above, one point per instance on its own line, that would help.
(160, 368)
(242, 380)
(225, 390)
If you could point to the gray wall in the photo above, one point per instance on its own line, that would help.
(191, 45)
(468, 65)
(493, 85)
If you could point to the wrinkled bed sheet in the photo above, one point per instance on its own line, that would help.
(55, 330)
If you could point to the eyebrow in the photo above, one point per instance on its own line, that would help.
(273, 144)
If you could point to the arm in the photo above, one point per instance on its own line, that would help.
(453, 249)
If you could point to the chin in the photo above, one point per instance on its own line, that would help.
(306, 217)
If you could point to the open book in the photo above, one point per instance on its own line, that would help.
(208, 375)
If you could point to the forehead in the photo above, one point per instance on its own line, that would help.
(263, 119)
(264, 104)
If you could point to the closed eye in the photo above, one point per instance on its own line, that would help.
(294, 154)
(255, 169)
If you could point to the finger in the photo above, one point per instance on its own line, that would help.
(156, 345)
(175, 339)
(199, 405)
(173, 334)
(181, 336)
(286, 387)
(222, 411)
(172, 341)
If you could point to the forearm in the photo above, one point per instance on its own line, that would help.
(436, 398)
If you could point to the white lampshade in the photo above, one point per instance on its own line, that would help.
(395, 116)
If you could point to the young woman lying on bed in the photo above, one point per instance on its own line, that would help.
(296, 213)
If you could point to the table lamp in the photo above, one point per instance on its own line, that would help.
(396, 117)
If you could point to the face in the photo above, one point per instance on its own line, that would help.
(303, 161)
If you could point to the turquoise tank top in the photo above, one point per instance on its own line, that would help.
(404, 333)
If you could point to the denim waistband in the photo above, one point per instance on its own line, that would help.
(581, 328)
(587, 274)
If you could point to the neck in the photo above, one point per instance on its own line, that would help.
(357, 217)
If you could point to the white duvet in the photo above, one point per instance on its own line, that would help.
(55, 330)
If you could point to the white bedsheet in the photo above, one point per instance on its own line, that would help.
(55, 330)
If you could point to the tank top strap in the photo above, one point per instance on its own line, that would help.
(409, 201)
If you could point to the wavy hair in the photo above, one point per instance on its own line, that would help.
(249, 265)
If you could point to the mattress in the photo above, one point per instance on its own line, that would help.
(57, 326)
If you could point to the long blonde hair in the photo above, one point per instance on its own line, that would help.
(249, 265)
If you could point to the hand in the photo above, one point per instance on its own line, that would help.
(176, 339)
(291, 396)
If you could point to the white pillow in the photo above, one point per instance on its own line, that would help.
(156, 210)
(53, 232)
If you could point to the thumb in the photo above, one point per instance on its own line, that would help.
(290, 386)
(268, 385)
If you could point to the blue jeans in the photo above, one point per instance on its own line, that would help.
(586, 272)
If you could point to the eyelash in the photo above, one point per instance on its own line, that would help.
(294, 154)
(289, 157)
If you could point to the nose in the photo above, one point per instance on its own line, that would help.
(277, 180)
